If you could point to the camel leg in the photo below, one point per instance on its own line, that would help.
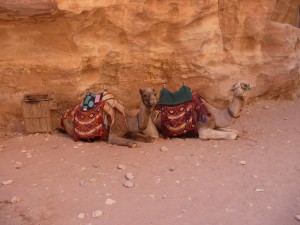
(228, 130)
(141, 137)
(206, 134)
(151, 130)
(69, 127)
(113, 139)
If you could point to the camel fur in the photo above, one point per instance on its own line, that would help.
(216, 125)
(127, 126)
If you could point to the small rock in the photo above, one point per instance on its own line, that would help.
(54, 146)
(164, 149)
(129, 176)
(6, 182)
(110, 145)
(2, 146)
(81, 215)
(109, 201)
(172, 168)
(15, 199)
(265, 107)
(28, 155)
(97, 213)
(128, 184)
(122, 167)
(82, 183)
(183, 211)
(19, 165)
(242, 162)
(93, 179)
(259, 190)
(297, 217)
(96, 165)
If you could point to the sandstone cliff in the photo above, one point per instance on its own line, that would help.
(68, 46)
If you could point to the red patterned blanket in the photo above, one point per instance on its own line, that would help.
(181, 120)
(94, 116)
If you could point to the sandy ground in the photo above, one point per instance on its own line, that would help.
(251, 181)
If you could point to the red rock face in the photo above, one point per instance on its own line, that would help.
(68, 46)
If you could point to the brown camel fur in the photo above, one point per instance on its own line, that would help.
(126, 123)
(215, 126)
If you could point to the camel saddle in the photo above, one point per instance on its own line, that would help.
(94, 116)
(177, 111)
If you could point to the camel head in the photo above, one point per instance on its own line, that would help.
(239, 89)
(148, 97)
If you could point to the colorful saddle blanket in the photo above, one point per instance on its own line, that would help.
(94, 117)
(180, 120)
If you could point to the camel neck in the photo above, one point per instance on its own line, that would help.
(235, 106)
(143, 116)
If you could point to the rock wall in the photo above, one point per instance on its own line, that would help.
(68, 46)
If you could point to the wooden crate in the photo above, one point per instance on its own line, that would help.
(39, 113)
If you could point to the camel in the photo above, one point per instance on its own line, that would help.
(216, 125)
(126, 126)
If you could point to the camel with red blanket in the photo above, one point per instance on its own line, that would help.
(190, 115)
(101, 116)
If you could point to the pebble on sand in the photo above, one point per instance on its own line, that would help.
(97, 213)
(259, 190)
(81, 215)
(128, 184)
(129, 176)
(163, 149)
(19, 165)
(109, 201)
(6, 182)
(15, 199)
(297, 217)
(242, 162)
(122, 167)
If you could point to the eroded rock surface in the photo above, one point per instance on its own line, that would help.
(68, 46)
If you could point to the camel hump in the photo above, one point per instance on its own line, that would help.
(183, 95)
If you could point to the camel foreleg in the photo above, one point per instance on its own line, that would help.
(228, 130)
(114, 139)
(141, 137)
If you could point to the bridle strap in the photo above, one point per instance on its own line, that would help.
(146, 101)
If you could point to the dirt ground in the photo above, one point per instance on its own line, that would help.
(254, 180)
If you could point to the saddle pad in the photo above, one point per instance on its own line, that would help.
(177, 121)
(91, 100)
(91, 123)
(184, 94)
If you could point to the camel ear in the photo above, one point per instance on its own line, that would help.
(141, 92)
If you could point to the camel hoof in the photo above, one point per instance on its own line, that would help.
(149, 140)
(134, 145)
(233, 136)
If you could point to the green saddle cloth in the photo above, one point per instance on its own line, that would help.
(184, 94)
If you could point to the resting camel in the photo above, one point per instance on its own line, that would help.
(215, 126)
(126, 127)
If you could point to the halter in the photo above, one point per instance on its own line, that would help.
(146, 100)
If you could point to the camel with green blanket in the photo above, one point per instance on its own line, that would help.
(209, 122)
